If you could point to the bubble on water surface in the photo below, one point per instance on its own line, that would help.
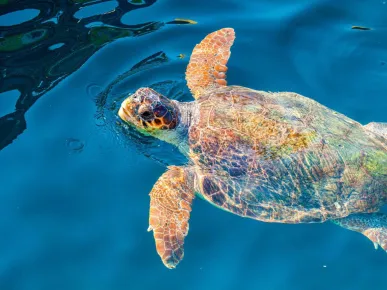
(75, 145)
(93, 90)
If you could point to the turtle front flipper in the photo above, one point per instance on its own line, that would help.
(207, 65)
(170, 207)
(372, 225)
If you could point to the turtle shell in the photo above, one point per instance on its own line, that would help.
(282, 157)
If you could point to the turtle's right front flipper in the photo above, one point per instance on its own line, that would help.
(170, 207)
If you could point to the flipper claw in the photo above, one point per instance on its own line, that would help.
(371, 225)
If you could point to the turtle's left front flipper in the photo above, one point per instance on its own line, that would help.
(372, 225)
(170, 207)
(207, 68)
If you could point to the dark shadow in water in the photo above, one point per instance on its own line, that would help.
(37, 54)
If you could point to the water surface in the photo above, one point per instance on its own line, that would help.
(74, 182)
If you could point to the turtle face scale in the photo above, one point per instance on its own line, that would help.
(149, 111)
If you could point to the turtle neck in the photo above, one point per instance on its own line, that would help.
(179, 135)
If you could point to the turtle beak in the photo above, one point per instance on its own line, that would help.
(123, 114)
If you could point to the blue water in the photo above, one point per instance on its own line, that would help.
(74, 182)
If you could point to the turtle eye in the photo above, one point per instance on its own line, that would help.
(145, 112)
(146, 115)
(136, 98)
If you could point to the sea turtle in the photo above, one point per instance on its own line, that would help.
(274, 157)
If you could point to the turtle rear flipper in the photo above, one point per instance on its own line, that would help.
(372, 225)
(377, 128)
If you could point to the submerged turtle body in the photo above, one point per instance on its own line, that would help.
(273, 157)
(281, 157)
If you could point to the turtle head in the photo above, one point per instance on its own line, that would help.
(149, 111)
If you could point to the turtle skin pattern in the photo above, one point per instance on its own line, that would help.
(282, 157)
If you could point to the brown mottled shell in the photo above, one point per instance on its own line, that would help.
(284, 157)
